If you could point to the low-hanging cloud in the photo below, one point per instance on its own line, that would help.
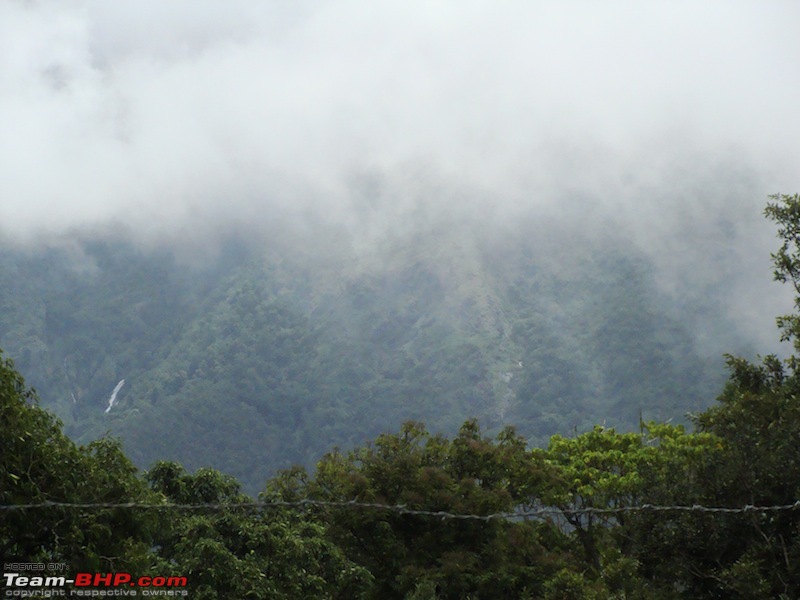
(185, 118)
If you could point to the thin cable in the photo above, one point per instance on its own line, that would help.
(404, 510)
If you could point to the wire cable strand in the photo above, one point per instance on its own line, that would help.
(402, 509)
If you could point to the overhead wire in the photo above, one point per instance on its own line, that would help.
(402, 509)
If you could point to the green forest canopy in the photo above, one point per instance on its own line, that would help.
(742, 452)
(265, 359)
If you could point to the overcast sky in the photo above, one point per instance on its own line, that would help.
(181, 116)
(155, 110)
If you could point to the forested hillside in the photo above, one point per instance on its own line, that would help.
(663, 512)
(261, 357)
(401, 300)
(658, 513)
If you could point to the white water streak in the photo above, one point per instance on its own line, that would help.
(113, 397)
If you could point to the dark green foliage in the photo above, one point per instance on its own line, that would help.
(38, 463)
(251, 374)
(410, 554)
(785, 211)
(252, 363)
(759, 420)
(238, 553)
(232, 553)
(602, 348)
(745, 452)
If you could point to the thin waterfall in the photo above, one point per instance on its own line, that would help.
(113, 397)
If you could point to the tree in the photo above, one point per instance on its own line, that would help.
(757, 422)
(785, 211)
(227, 552)
(38, 463)
(237, 552)
(603, 469)
(423, 556)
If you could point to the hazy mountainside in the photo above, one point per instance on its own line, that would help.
(258, 360)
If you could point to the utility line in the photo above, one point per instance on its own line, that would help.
(402, 509)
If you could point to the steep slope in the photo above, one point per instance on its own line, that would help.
(258, 359)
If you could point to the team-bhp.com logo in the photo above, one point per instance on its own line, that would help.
(26, 585)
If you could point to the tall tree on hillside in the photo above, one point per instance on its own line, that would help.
(785, 211)
(754, 554)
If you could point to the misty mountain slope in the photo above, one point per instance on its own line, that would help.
(295, 386)
(76, 321)
(259, 360)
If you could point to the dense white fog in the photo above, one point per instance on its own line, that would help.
(668, 122)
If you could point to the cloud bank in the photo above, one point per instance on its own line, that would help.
(180, 120)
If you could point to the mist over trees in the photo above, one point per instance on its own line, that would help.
(470, 258)
(314, 222)
(255, 362)
(659, 513)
